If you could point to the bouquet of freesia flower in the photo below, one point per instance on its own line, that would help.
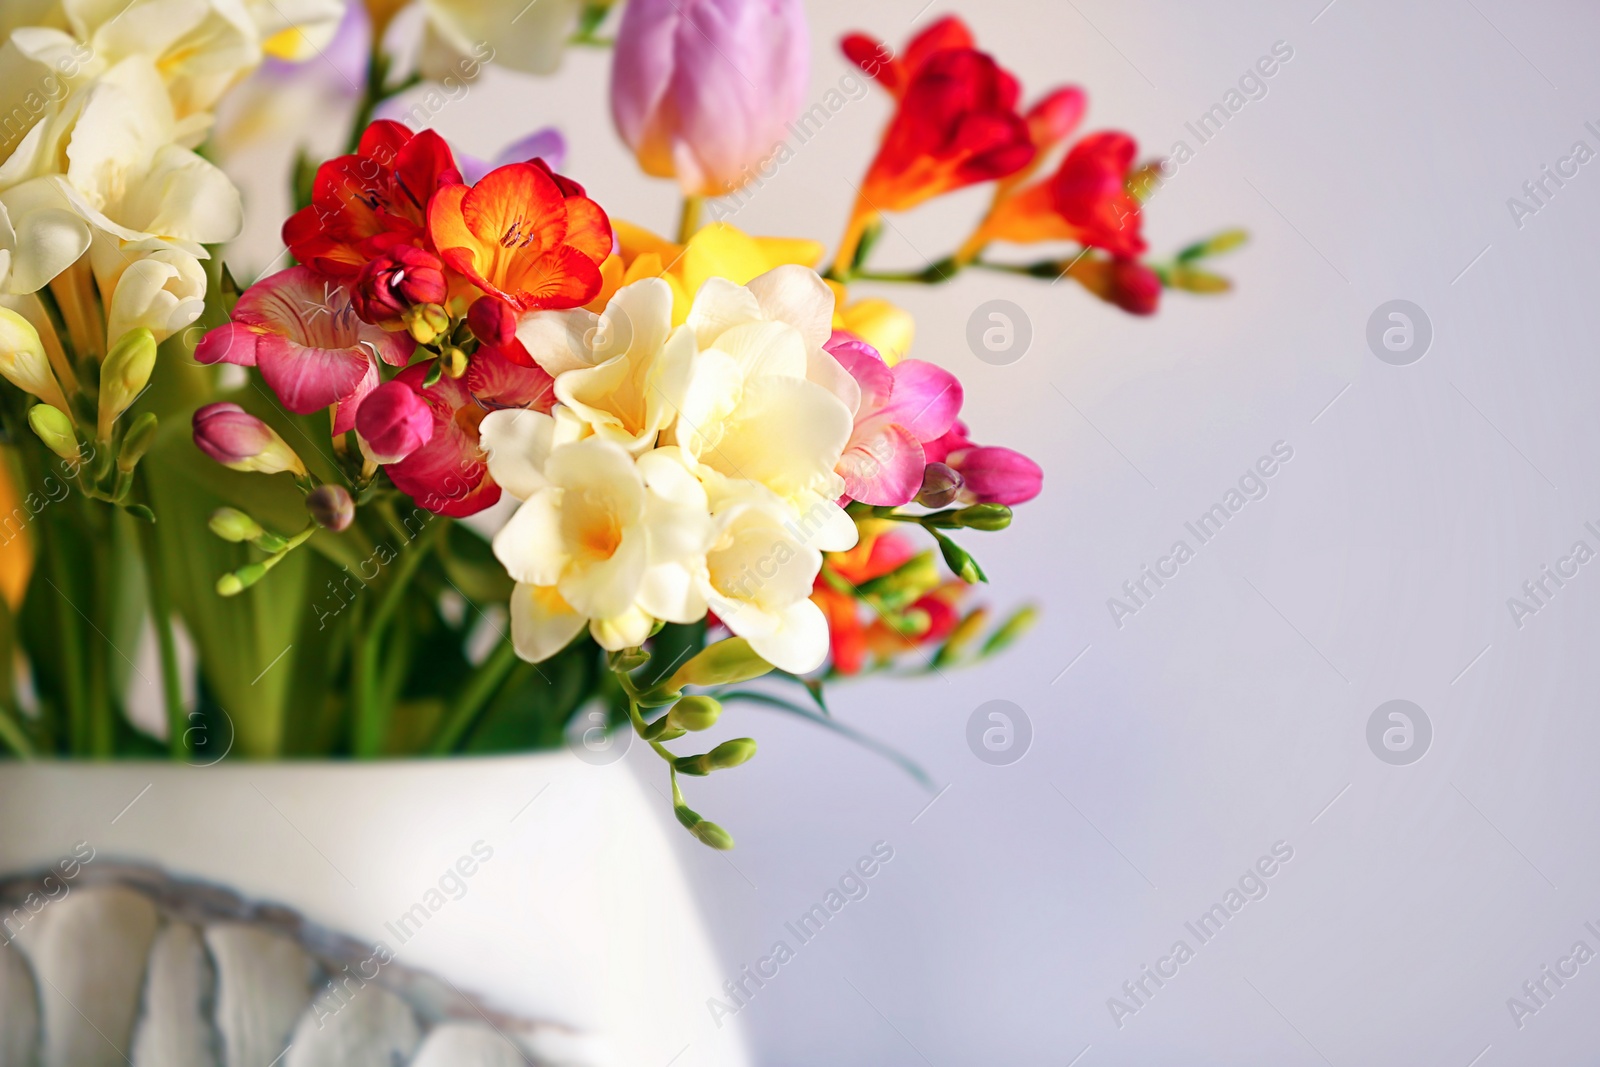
(484, 455)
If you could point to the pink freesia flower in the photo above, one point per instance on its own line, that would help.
(300, 330)
(989, 474)
(902, 407)
(450, 473)
(703, 89)
(393, 422)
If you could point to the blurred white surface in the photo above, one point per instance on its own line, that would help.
(1231, 712)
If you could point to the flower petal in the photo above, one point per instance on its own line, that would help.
(542, 624)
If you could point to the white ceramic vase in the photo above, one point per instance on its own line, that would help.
(575, 912)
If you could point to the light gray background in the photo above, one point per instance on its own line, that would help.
(1230, 712)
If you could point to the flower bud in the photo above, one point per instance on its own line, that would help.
(238, 440)
(55, 430)
(709, 833)
(1010, 631)
(940, 484)
(395, 281)
(331, 507)
(728, 754)
(136, 442)
(392, 422)
(231, 524)
(1127, 283)
(702, 90)
(23, 362)
(694, 713)
(994, 475)
(986, 517)
(426, 322)
(454, 361)
(492, 321)
(123, 376)
(724, 663)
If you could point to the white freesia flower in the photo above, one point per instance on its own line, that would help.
(201, 47)
(758, 576)
(127, 188)
(519, 35)
(588, 544)
(766, 403)
(163, 289)
(622, 372)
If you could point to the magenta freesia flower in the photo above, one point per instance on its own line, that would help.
(989, 474)
(703, 89)
(237, 439)
(449, 474)
(299, 328)
(902, 408)
(393, 422)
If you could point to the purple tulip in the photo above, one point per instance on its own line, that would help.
(237, 439)
(703, 90)
(393, 422)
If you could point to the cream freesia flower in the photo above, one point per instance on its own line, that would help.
(516, 34)
(766, 403)
(758, 576)
(623, 372)
(128, 190)
(201, 47)
(583, 546)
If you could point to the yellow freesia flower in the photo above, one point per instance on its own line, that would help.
(723, 251)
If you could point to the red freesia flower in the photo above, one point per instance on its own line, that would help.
(366, 203)
(1086, 200)
(524, 235)
(956, 124)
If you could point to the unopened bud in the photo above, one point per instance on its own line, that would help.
(124, 374)
(426, 322)
(1011, 630)
(694, 713)
(23, 362)
(724, 663)
(709, 833)
(238, 440)
(988, 517)
(231, 524)
(454, 361)
(940, 484)
(732, 753)
(55, 430)
(332, 507)
(136, 442)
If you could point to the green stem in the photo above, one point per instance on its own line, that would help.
(71, 638)
(12, 733)
(463, 711)
(161, 613)
(371, 714)
(689, 218)
(102, 707)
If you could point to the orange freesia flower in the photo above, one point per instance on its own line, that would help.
(524, 235)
